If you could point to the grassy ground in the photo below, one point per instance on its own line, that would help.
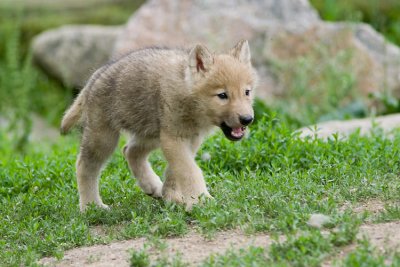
(275, 189)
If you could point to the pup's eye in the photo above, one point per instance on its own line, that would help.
(247, 92)
(223, 96)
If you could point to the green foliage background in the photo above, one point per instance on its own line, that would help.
(383, 15)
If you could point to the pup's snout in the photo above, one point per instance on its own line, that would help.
(246, 119)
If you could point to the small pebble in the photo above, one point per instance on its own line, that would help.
(318, 220)
(205, 156)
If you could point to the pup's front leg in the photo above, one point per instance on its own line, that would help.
(184, 182)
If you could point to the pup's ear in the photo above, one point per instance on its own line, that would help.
(200, 58)
(241, 51)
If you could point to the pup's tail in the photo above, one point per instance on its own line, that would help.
(73, 114)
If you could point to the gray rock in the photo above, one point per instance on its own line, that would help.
(374, 62)
(217, 23)
(72, 53)
(318, 220)
(279, 31)
(41, 130)
(344, 128)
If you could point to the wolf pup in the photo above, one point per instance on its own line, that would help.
(166, 98)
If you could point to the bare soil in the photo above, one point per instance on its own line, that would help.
(194, 248)
(383, 236)
(373, 206)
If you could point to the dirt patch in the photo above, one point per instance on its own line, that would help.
(194, 248)
(373, 206)
(383, 236)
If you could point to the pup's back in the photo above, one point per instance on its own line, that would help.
(126, 93)
(140, 80)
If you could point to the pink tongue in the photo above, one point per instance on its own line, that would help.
(237, 132)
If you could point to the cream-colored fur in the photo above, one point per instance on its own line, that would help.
(166, 98)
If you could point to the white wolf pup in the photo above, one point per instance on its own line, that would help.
(166, 98)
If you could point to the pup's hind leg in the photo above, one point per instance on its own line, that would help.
(96, 146)
(136, 152)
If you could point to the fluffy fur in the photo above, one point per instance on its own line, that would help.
(164, 98)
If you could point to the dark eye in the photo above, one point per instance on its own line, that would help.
(223, 96)
(247, 92)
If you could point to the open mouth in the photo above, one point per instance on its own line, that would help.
(233, 134)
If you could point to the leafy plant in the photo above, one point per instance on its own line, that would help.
(382, 15)
(139, 258)
(17, 81)
(318, 86)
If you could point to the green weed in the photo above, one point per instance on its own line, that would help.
(366, 255)
(318, 86)
(253, 256)
(139, 258)
(17, 81)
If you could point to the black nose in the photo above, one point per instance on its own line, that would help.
(245, 120)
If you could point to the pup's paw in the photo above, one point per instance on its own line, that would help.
(187, 200)
(155, 190)
(152, 188)
(85, 207)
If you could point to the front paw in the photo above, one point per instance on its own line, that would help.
(153, 189)
(186, 199)
(85, 206)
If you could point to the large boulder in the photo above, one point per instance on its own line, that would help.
(72, 53)
(353, 49)
(342, 129)
(217, 23)
(281, 33)
(291, 46)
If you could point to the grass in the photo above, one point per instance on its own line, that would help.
(307, 255)
(141, 258)
(276, 189)
(381, 14)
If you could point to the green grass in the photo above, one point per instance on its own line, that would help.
(253, 256)
(367, 255)
(275, 189)
(383, 15)
(307, 254)
(141, 258)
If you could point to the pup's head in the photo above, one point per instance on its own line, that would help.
(224, 87)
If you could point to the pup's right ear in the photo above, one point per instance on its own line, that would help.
(241, 51)
(200, 59)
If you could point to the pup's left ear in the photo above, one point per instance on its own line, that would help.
(241, 51)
